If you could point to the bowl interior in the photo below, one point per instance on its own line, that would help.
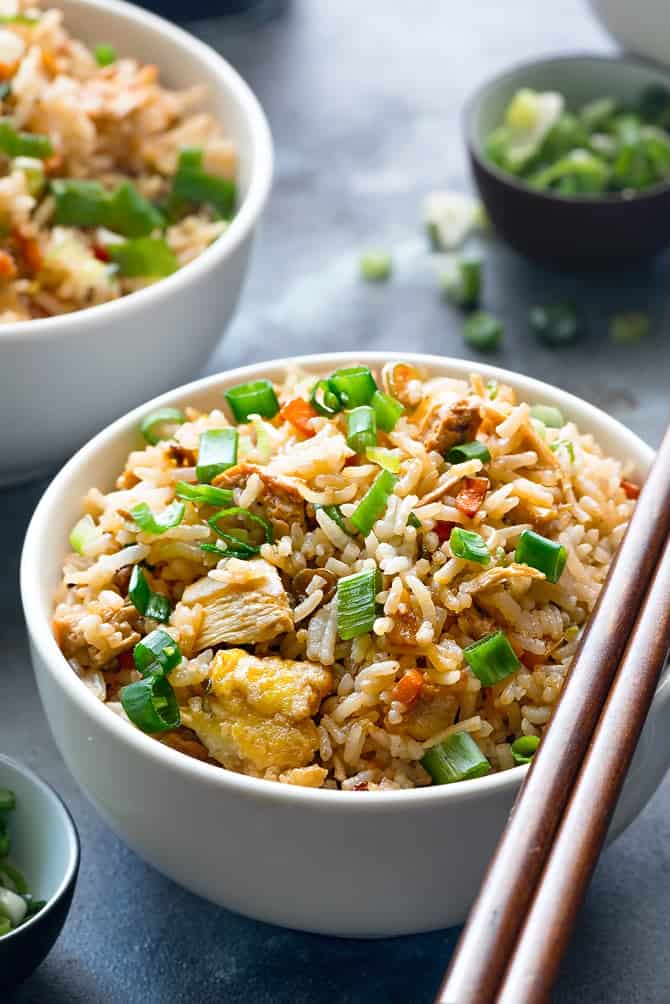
(43, 841)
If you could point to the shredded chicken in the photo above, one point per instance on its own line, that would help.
(281, 500)
(443, 424)
(494, 576)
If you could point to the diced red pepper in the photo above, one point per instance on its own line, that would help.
(299, 413)
(631, 489)
(29, 251)
(471, 495)
(126, 660)
(101, 253)
(443, 529)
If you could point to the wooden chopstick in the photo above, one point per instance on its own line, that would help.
(583, 829)
(486, 944)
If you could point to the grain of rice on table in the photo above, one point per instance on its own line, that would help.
(73, 116)
(267, 685)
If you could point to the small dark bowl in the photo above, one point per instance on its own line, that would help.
(579, 231)
(45, 847)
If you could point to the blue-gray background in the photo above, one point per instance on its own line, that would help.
(364, 102)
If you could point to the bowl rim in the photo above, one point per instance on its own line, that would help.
(38, 620)
(70, 828)
(262, 162)
(499, 79)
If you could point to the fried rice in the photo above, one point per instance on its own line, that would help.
(96, 200)
(265, 683)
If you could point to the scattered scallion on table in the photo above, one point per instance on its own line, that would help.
(462, 283)
(483, 331)
(629, 327)
(356, 602)
(456, 758)
(492, 658)
(555, 324)
(375, 265)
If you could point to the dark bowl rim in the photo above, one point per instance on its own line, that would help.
(582, 201)
(70, 876)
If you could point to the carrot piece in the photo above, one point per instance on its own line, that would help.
(52, 164)
(50, 63)
(7, 265)
(126, 660)
(7, 70)
(471, 495)
(299, 413)
(631, 489)
(29, 251)
(408, 687)
(101, 253)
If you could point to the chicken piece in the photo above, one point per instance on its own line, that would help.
(258, 714)
(443, 424)
(281, 500)
(243, 603)
(496, 576)
(405, 627)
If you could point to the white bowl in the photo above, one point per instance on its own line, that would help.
(64, 378)
(642, 27)
(333, 862)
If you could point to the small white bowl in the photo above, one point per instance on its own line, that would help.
(64, 378)
(333, 862)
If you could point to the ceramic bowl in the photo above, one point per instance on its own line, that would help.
(572, 231)
(64, 378)
(45, 847)
(334, 862)
(642, 27)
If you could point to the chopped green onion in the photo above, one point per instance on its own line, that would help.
(171, 516)
(457, 758)
(203, 494)
(387, 410)
(23, 144)
(374, 502)
(255, 398)
(388, 459)
(24, 19)
(475, 450)
(353, 386)
(157, 653)
(361, 428)
(5, 926)
(161, 424)
(565, 444)
(483, 331)
(151, 704)
(4, 839)
(550, 417)
(492, 658)
(235, 547)
(15, 878)
(413, 520)
(34, 905)
(143, 598)
(539, 552)
(469, 545)
(523, 748)
(237, 510)
(82, 203)
(596, 114)
(493, 389)
(462, 284)
(83, 533)
(324, 399)
(7, 800)
(376, 265)
(104, 54)
(193, 183)
(357, 603)
(335, 513)
(629, 327)
(555, 323)
(216, 453)
(144, 257)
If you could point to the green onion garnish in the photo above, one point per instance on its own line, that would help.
(83, 533)
(353, 386)
(7, 800)
(161, 424)
(388, 459)
(192, 183)
(457, 758)
(413, 520)
(324, 399)
(81, 203)
(361, 428)
(255, 398)
(23, 144)
(523, 748)
(492, 658)
(171, 516)
(237, 510)
(356, 603)
(235, 547)
(335, 513)
(387, 410)
(376, 265)
(539, 552)
(469, 451)
(14, 879)
(469, 545)
(483, 331)
(104, 54)
(143, 257)
(157, 653)
(203, 494)
(5, 926)
(462, 285)
(374, 502)
(548, 415)
(629, 327)
(216, 453)
(142, 597)
(556, 323)
(150, 704)
(565, 444)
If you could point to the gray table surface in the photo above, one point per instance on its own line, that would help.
(364, 103)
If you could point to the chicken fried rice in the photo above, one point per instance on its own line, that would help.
(364, 581)
(108, 180)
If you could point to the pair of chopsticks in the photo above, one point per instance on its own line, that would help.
(519, 927)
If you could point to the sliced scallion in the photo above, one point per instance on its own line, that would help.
(413, 520)
(629, 327)
(157, 653)
(237, 511)
(387, 410)
(149, 522)
(356, 603)
(354, 385)
(234, 547)
(361, 428)
(469, 545)
(388, 459)
(564, 444)
(7, 800)
(161, 424)
(461, 285)
(143, 257)
(216, 453)
(548, 415)
(203, 494)
(492, 658)
(192, 183)
(150, 704)
(539, 552)
(324, 399)
(83, 533)
(457, 758)
(483, 331)
(555, 323)
(23, 144)
(148, 603)
(374, 502)
(376, 265)
(255, 398)
(469, 451)
(335, 513)
(523, 748)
